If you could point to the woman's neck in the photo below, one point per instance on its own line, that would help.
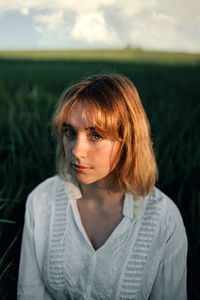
(100, 197)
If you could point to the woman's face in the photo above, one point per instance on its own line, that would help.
(91, 157)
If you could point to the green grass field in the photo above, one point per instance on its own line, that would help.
(30, 85)
(127, 55)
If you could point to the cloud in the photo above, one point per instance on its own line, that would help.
(112, 23)
(92, 27)
(129, 8)
(159, 17)
(74, 5)
(24, 11)
(89, 23)
(49, 21)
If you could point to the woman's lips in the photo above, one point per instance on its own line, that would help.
(80, 168)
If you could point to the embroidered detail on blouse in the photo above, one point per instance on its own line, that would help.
(55, 267)
(57, 263)
(137, 208)
(130, 283)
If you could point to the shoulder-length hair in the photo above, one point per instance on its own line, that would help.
(120, 116)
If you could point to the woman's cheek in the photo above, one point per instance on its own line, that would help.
(66, 146)
(104, 146)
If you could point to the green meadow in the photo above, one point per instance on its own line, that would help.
(124, 55)
(30, 85)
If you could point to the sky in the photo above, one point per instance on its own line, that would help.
(100, 24)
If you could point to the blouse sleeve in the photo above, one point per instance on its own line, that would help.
(30, 285)
(170, 282)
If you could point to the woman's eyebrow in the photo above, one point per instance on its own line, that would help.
(67, 125)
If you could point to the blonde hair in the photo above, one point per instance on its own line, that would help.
(121, 116)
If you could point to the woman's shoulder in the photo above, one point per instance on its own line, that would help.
(171, 221)
(166, 206)
(45, 185)
(44, 191)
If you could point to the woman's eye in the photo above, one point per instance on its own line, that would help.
(96, 136)
(70, 133)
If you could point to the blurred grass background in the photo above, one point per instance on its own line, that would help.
(30, 85)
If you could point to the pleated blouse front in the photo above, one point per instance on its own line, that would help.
(141, 252)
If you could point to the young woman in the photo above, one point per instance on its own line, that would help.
(101, 229)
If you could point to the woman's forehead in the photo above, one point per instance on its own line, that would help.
(82, 116)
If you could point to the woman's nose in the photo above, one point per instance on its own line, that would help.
(80, 147)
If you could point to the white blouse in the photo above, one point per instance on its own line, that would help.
(143, 258)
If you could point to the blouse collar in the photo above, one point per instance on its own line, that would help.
(131, 207)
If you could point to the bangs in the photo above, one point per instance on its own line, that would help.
(110, 104)
(105, 120)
